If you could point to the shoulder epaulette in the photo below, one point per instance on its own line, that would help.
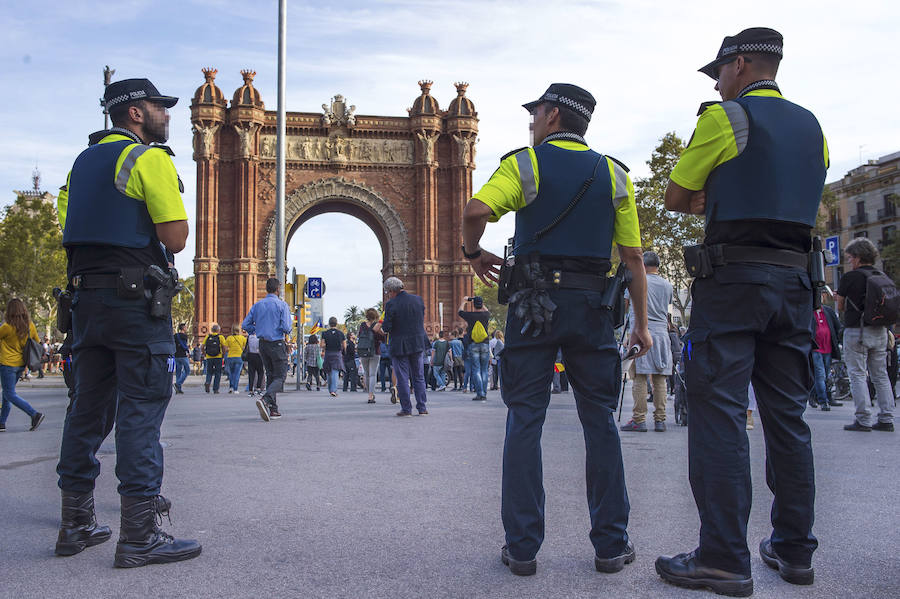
(705, 105)
(167, 149)
(619, 162)
(516, 151)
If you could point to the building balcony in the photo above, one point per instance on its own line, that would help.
(858, 219)
(886, 213)
(833, 224)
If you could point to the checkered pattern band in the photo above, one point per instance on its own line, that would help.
(126, 97)
(568, 103)
(753, 47)
(761, 84)
(567, 135)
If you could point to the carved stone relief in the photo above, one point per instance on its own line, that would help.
(204, 139)
(245, 135)
(340, 149)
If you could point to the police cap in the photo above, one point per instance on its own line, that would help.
(569, 96)
(760, 40)
(133, 90)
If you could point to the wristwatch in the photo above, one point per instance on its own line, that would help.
(473, 255)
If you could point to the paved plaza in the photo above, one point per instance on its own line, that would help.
(342, 499)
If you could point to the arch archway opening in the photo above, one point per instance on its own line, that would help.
(347, 248)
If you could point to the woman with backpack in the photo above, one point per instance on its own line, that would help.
(368, 348)
(13, 335)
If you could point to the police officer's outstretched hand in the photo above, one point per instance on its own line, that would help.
(487, 267)
(642, 338)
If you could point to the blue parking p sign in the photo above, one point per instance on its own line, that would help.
(314, 287)
(833, 244)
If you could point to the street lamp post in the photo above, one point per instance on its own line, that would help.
(280, 134)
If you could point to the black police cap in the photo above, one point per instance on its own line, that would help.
(569, 96)
(133, 90)
(760, 40)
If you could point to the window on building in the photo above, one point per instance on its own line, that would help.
(890, 209)
(861, 234)
(860, 209)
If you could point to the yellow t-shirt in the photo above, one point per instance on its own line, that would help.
(235, 345)
(151, 178)
(11, 346)
(503, 192)
(713, 144)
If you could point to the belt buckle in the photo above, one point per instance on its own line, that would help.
(77, 281)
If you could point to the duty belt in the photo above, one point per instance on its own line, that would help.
(722, 254)
(96, 281)
(575, 280)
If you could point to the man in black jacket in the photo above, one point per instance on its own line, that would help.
(404, 320)
(828, 330)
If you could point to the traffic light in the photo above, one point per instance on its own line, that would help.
(289, 294)
(305, 314)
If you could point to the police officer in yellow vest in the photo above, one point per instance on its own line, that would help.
(572, 204)
(120, 206)
(756, 168)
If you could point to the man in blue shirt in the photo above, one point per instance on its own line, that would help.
(270, 319)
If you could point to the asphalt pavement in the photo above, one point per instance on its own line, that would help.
(340, 498)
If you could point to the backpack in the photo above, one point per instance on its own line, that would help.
(882, 304)
(212, 346)
(479, 335)
(365, 345)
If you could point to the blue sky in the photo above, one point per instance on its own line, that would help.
(638, 58)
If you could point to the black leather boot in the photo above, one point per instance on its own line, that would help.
(142, 542)
(78, 526)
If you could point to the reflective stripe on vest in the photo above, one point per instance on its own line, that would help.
(620, 182)
(779, 172)
(98, 212)
(127, 165)
(587, 231)
(526, 175)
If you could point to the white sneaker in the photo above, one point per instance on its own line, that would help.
(263, 409)
(441, 388)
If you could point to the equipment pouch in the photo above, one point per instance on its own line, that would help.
(63, 310)
(697, 261)
(130, 284)
(817, 271)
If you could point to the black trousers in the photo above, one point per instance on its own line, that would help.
(121, 372)
(351, 374)
(750, 322)
(255, 371)
(275, 361)
(582, 328)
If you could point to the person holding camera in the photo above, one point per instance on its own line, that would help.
(572, 205)
(477, 343)
(122, 216)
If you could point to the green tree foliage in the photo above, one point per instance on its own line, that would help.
(32, 259)
(664, 232)
(183, 305)
(498, 311)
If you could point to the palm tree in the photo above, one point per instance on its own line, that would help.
(353, 316)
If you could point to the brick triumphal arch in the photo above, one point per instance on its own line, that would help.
(407, 177)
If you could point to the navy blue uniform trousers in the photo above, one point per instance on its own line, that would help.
(750, 322)
(120, 356)
(583, 330)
